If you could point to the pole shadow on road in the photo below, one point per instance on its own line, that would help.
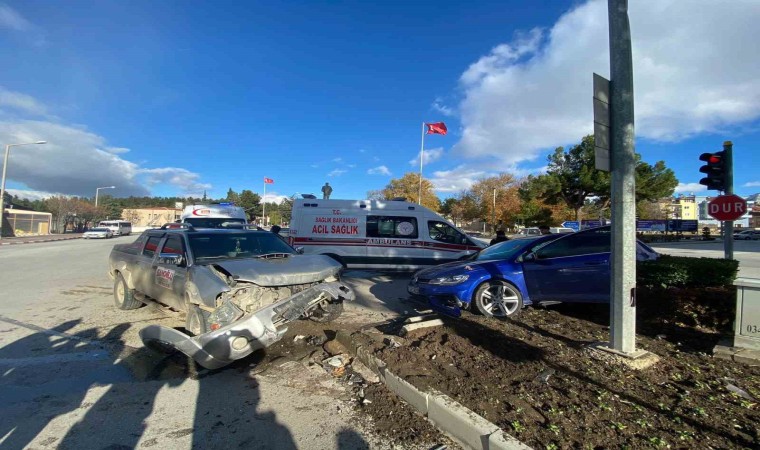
(36, 390)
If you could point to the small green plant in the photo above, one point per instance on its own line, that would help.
(685, 435)
(658, 442)
(747, 404)
(553, 428)
(605, 406)
(517, 426)
(552, 446)
(700, 411)
(618, 426)
(663, 407)
(642, 423)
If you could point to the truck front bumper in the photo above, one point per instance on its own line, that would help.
(253, 332)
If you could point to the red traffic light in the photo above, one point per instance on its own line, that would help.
(711, 158)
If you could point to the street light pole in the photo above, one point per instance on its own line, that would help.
(2, 186)
(98, 189)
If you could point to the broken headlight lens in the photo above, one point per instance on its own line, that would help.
(224, 315)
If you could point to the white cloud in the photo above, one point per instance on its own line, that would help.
(21, 103)
(752, 184)
(32, 195)
(76, 161)
(430, 155)
(273, 198)
(379, 170)
(685, 188)
(337, 160)
(456, 180)
(10, 18)
(336, 173)
(439, 106)
(693, 74)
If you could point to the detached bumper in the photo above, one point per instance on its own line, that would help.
(253, 332)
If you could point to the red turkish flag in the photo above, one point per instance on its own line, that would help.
(436, 128)
(268, 181)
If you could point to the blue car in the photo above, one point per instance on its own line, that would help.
(501, 279)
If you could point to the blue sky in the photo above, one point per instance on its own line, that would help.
(174, 98)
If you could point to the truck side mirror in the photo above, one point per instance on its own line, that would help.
(529, 257)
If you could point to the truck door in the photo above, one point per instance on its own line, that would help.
(168, 277)
(144, 272)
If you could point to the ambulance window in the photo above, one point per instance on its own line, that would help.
(443, 232)
(392, 227)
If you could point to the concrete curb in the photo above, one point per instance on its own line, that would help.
(4, 242)
(465, 426)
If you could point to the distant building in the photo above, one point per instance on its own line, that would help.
(151, 217)
(18, 222)
(683, 207)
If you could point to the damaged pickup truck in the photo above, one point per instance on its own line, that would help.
(239, 289)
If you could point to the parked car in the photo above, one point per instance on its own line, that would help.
(238, 289)
(525, 232)
(560, 230)
(748, 235)
(98, 233)
(501, 279)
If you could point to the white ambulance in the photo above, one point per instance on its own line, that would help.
(382, 234)
(213, 215)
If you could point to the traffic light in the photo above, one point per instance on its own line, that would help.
(715, 170)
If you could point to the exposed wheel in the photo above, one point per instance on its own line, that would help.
(498, 298)
(327, 312)
(195, 322)
(123, 297)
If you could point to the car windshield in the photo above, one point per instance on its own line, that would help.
(510, 249)
(237, 245)
(205, 222)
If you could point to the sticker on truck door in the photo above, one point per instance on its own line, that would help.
(164, 277)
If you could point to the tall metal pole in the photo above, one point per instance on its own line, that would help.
(728, 229)
(493, 219)
(264, 208)
(422, 153)
(97, 191)
(2, 189)
(623, 163)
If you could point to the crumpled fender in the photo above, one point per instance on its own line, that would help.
(253, 332)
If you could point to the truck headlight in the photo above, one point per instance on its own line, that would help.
(449, 280)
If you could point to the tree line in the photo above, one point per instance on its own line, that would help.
(570, 189)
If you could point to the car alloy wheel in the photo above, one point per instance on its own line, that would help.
(498, 299)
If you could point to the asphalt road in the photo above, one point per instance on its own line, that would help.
(75, 374)
(747, 252)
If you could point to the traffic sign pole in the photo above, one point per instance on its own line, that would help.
(728, 226)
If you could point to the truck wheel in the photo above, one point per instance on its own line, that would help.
(123, 297)
(327, 313)
(196, 322)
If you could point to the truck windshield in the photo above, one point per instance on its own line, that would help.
(205, 222)
(236, 245)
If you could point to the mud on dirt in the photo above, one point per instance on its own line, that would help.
(534, 377)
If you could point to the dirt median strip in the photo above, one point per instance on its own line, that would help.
(468, 428)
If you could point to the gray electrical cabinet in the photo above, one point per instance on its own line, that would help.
(747, 331)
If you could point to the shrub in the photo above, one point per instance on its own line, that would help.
(681, 271)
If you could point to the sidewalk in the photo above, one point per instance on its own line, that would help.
(35, 239)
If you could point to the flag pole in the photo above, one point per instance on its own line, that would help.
(422, 153)
(264, 210)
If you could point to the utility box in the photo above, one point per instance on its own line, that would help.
(747, 326)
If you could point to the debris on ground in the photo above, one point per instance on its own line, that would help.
(334, 348)
(406, 329)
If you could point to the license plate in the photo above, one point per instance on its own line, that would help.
(414, 290)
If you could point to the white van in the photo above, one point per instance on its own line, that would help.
(213, 215)
(377, 233)
(117, 227)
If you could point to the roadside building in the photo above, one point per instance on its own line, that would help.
(19, 222)
(151, 217)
